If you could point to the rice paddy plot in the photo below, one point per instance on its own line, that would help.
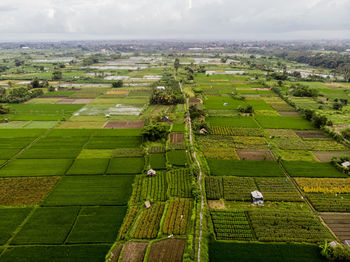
(284, 122)
(10, 219)
(236, 121)
(61, 142)
(311, 169)
(48, 225)
(258, 252)
(46, 153)
(112, 142)
(21, 133)
(105, 221)
(66, 253)
(95, 153)
(223, 102)
(220, 167)
(89, 166)
(91, 190)
(19, 142)
(126, 165)
(41, 124)
(177, 157)
(7, 153)
(35, 167)
(157, 161)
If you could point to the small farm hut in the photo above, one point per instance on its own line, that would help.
(345, 164)
(151, 172)
(147, 204)
(203, 131)
(257, 198)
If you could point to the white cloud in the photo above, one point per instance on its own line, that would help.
(230, 19)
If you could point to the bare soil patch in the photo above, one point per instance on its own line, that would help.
(177, 137)
(115, 253)
(124, 124)
(195, 100)
(252, 154)
(25, 191)
(311, 134)
(326, 156)
(134, 251)
(288, 113)
(169, 250)
(74, 101)
(339, 223)
(217, 204)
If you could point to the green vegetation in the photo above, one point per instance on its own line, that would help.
(307, 169)
(246, 252)
(220, 167)
(91, 190)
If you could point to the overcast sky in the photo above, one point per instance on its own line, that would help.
(174, 19)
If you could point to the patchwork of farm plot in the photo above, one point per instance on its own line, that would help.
(256, 141)
(73, 177)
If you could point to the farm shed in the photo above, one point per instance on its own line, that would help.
(257, 198)
(151, 172)
(346, 164)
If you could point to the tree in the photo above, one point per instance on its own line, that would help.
(57, 75)
(196, 112)
(337, 106)
(35, 83)
(155, 131)
(303, 91)
(117, 84)
(176, 64)
(4, 110)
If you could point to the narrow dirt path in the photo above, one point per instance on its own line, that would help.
(200, 175)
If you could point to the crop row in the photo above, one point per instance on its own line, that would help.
(177, 216)
(330, 202)
(239, 188)
(148, 224)
(180, 181)
(230, 225)
(150, 188)
(129, 219)
(288, 226)
(232, 131)
(324, 185)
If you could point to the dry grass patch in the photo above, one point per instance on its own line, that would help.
(311, 134)
(177, 137)
(134, 251)
(124, 124)
(25, 191)
(249, 154)
(288, 113)
(217, 204)
(338, 223)
(168, 250)
(326, 156)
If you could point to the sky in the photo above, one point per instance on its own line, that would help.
(174, 19)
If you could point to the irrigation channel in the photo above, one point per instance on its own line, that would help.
(189, 123)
